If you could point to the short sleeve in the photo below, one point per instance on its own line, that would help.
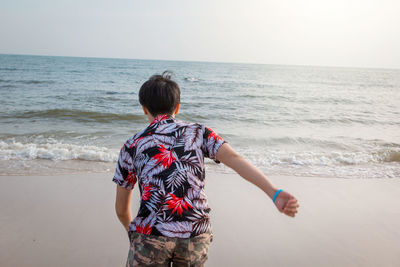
(124, 174)
(211, 143)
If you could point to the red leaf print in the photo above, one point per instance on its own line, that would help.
(159, 118)
(143, 229)
(165, 157)
(146, 192)
(136, 141)
(177, 204)
(131, 178)
(214, 135)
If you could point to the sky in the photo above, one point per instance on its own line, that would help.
(350, 33)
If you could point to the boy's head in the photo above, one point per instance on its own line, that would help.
(160, 95)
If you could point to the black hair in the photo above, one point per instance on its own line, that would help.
(159, 94)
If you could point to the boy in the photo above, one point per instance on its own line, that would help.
(167, 161)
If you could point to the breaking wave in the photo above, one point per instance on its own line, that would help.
(57, 151)
(62, 151)
(329, 158)
(77, 115)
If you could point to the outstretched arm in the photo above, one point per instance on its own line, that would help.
(123, 206)
(285, 202)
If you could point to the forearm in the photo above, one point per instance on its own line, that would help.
(249, 172)
(284, 202)
(123, 206)
(125, 219)
(245, 169)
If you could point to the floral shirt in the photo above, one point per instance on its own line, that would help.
(167, 161)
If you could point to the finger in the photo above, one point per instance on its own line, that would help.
(292, 203)
(291, 207)
(290, 214)
(290, 210)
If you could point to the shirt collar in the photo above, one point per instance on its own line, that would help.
(164, 118)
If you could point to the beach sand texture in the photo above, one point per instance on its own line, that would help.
(69, 220)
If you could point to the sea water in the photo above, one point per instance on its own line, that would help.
(67, 114)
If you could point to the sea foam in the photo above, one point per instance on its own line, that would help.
(56, 151)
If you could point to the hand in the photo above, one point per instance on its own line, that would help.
(287, 204)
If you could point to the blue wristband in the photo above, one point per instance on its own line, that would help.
(276, 195)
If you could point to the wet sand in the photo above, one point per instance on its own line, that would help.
(69, 220)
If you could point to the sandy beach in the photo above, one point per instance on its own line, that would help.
(69, 220)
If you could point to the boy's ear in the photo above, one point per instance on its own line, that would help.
(177, 108)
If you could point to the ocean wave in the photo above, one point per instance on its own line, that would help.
(392, 156)
(295, 142)
(74, 114)
(250, 96)
(7, 86)
(9, 69)
(326, 121)
(27, 81)
(335, 158)
(186, 116)
(34, 82)
(55, 151)
(191, 79)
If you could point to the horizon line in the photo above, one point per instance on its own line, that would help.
(206, 61)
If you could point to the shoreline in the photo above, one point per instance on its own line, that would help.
(69, 220)
(45, 167)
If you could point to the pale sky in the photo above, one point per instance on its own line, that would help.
(354, 33)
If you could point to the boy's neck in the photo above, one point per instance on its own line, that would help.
(151, 117)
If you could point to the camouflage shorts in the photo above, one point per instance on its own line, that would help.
(148, 250)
